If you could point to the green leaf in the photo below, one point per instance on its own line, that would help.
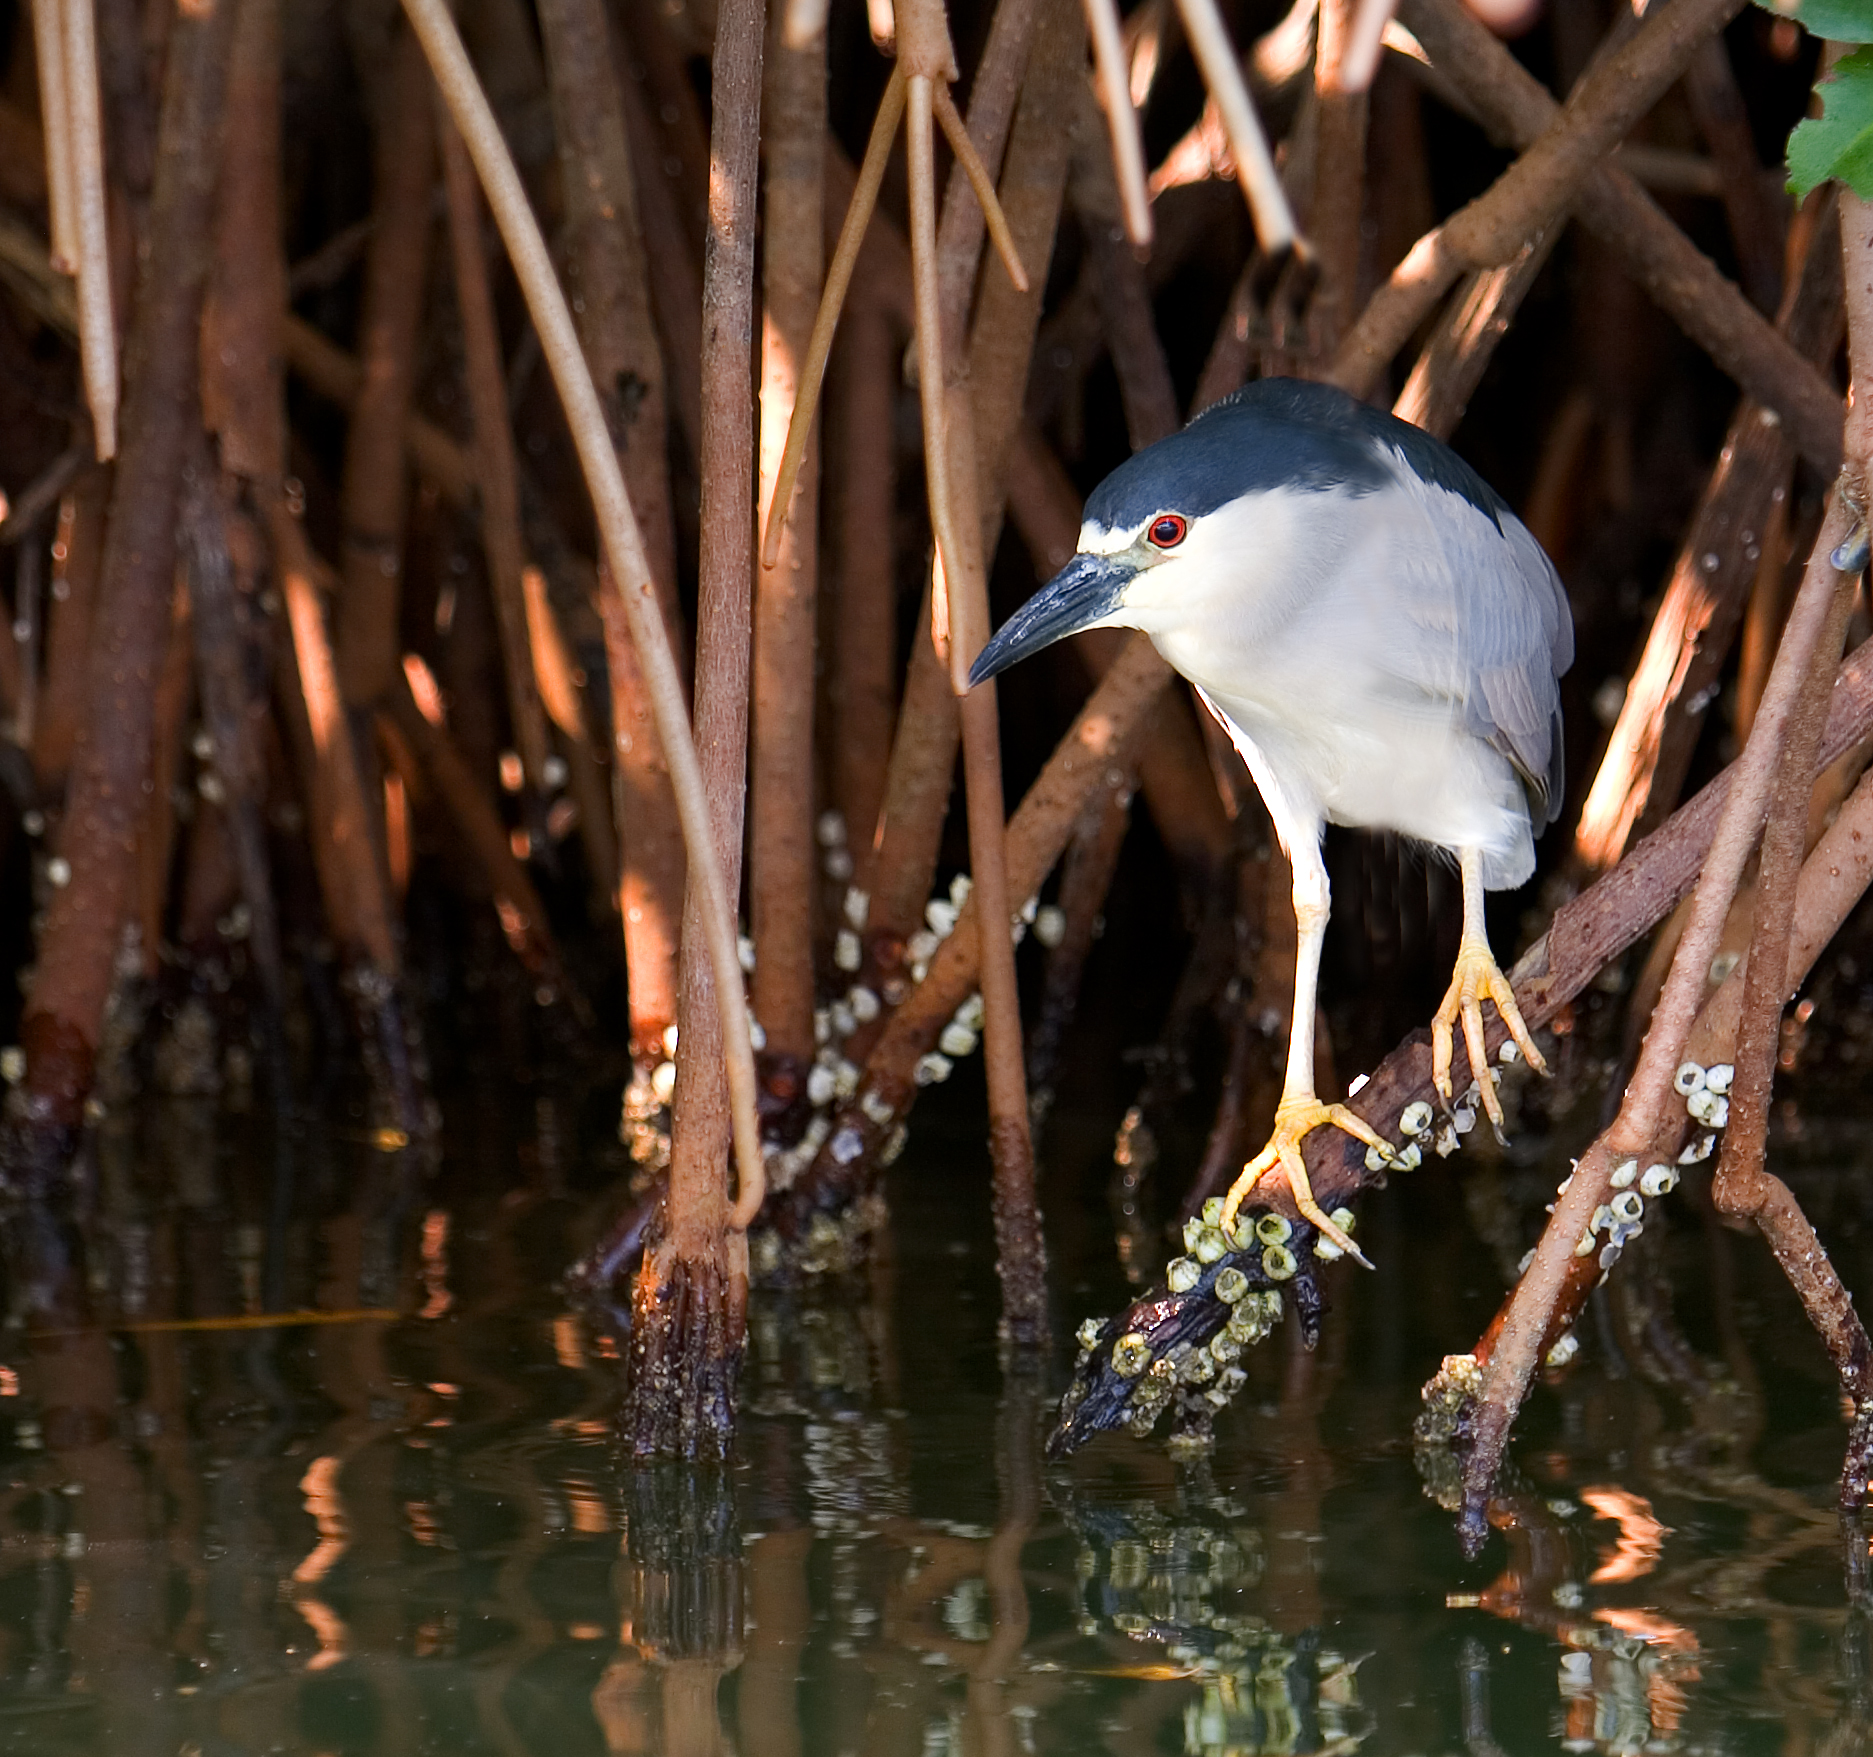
(1839, 21)
(1839, 142)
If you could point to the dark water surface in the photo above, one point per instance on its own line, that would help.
(404, 1529)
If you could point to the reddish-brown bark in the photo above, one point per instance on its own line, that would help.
(688, 1307)
(612, 271)
(72, 981)
(395, 298)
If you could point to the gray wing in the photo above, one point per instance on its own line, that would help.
(1483, 624)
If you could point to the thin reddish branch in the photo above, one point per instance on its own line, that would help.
(1526, 198)
(243, 366)
(374, 494)
(493, 450)
(1677, 674)
(781, 816)
(356, 902)
(1515, 107)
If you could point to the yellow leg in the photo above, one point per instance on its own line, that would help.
(1300, 1112)
(1297, 1115)
(1476, 978)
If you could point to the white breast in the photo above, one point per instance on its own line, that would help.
(1291, 648)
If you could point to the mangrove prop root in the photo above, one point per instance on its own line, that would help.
(72, 981)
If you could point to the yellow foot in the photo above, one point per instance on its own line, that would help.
(1296, 1117)
(1477, 978)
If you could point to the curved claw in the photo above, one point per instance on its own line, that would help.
(1477, 977)
(1296, 1118)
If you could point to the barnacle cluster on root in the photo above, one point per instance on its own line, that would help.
(1178, 1349)
(1443, 1424)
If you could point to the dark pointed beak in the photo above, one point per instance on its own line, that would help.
(1081, 595)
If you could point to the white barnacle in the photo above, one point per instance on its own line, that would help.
(1628, 1206)
(933, 1069)
(1709, 1108)
(744, 951)
(1688, 1079)
(845, 1078)
(971, 1014)
(1230, 1285)
(875, 1108)
(1326, 1250)
(1416, 1119)
(847, 953)
(957, 1040)
(844, 1020)
(1278, 1262)
(1521, 1268)
(1698, 1151)
(921, 947)
(663, 1081)
(857, 907)
(1447, 1142)
(1375, 1160)
(941, 917)
(1509, 1053)
(1273, 1229)
(960, 887)
(1564, 1350)
(1609, 1255)
(1050, 925)
(1344, 1218)
(1193, 1229)
(1409, 1157)
(822, 1024)
(1624, 1174)
(829, 831)
(1212, 1247)
(1182, 1273)
(1463, 1118)
(1089, 1333)
(820, 1086)
(1717, 1079)
(1602, 1219)
(1659, 1180)
(863, 1002)
(1585, 1247)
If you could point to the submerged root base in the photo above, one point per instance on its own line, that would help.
(689, 1328)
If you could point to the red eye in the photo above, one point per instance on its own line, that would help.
(1167, 530)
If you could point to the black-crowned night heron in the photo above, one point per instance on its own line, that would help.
(1381, 638)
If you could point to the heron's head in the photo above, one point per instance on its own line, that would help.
(1189, 522)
